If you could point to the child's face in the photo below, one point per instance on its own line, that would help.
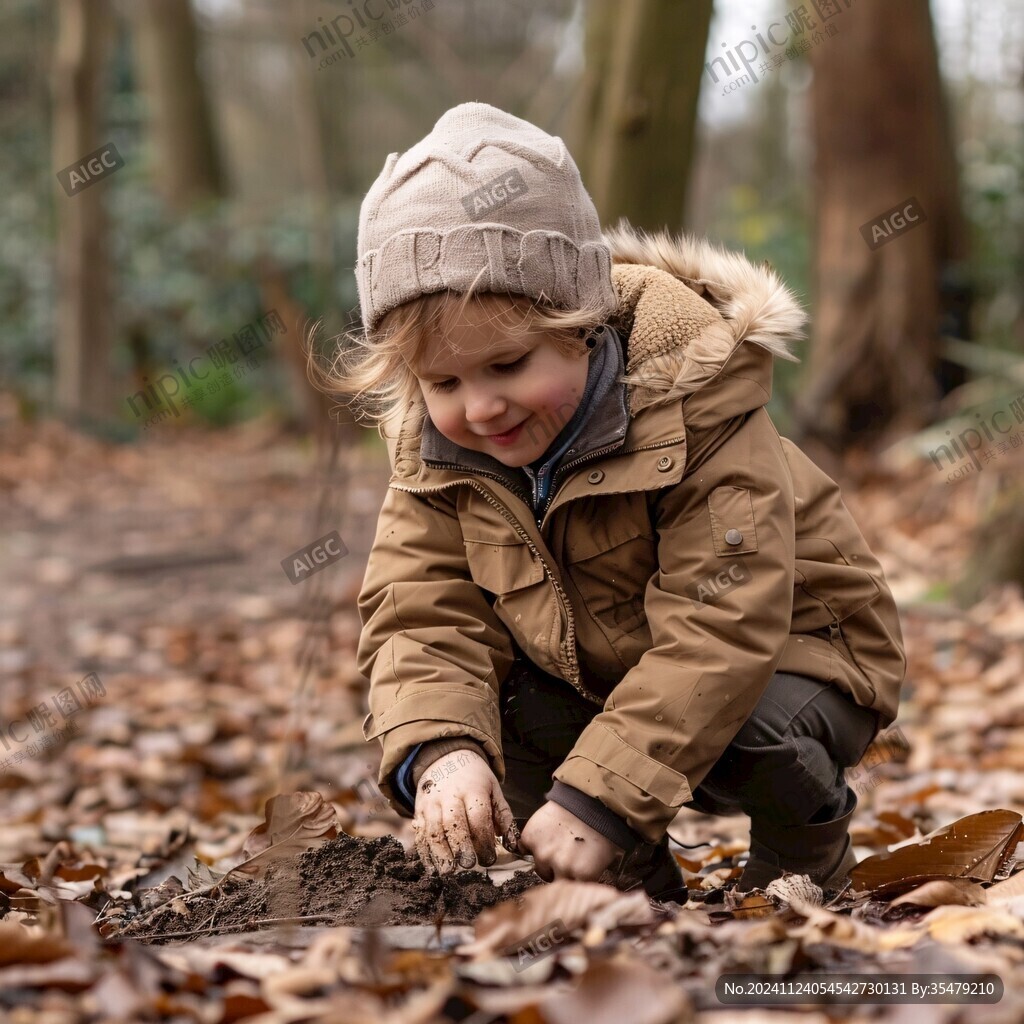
(524, 391)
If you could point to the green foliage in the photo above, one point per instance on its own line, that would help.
(993, 198)
(776, 229)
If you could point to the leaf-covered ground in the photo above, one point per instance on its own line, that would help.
(164, 680)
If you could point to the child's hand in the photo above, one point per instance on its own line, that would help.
(458, 817)
(565, 847)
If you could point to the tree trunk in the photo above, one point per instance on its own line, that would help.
(185, 162)
(881, 137)
(316, 413)
(83, 317)
(639, 107)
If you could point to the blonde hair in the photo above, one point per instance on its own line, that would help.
(371, 371)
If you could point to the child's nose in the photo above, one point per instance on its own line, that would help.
(484, 406)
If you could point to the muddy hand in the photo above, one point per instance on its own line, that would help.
(458, 816)
(562, 846)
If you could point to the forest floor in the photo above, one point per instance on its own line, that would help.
(164, 680)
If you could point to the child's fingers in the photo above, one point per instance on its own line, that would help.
(504, 820)
(422, 849)
(481, 822)
(456, 830)
(440, 852)
(437, 845)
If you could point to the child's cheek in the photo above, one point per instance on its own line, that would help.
(557, 403)
(447, 421)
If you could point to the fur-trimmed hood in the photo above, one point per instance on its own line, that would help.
(686, 305)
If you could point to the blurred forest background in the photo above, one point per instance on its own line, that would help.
(232, 142)
(248, 140)
(180, 183)
(249, 132)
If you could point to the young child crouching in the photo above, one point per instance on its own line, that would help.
(602, 587)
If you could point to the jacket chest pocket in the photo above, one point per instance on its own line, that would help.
(610, 562)
(502, 566)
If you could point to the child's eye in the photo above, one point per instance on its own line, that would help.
(513, 366)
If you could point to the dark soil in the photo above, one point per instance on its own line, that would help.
(347, 881)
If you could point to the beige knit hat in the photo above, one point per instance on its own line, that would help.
(483, 189)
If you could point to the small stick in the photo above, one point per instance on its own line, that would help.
(247, 926)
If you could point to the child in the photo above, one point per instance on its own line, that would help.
(602, 587)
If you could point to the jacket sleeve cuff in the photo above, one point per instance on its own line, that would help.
(403, 785)
(594, 813)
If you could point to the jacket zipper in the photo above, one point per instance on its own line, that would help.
(565, 612)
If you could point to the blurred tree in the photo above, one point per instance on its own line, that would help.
(881, 136)
(185, 164)
(84, 318)
(638, 107)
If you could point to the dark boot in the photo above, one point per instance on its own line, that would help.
(652, 866)
(821, 850)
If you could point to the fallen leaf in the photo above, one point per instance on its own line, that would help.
(889, 827)
(21, 945)
(564, 902)
(973, 847)
(944, 892)
(617, 990)
(295, 822)
(1006, 890)
(961, 924)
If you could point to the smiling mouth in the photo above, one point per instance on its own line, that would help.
(506, 433)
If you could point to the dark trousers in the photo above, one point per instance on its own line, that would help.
(784, 766)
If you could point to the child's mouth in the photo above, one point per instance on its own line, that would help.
(508, 437)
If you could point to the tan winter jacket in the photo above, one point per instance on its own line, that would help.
(669, 577)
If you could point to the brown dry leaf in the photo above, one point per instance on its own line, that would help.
(944, 892)
(69, 973)
(743, 906)
(1006, 890)
(972, 847)
(826, 926)
(889, 827)
(632, 908)
(21, 945)
(564, 901)
(295, 822)
(616, 990)
(961, 924)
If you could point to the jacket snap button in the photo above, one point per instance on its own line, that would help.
(664, 463)
(733, 537)
(596, 476)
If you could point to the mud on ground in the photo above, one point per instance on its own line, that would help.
(346, 881)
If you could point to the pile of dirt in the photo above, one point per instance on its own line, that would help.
(345, 881)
